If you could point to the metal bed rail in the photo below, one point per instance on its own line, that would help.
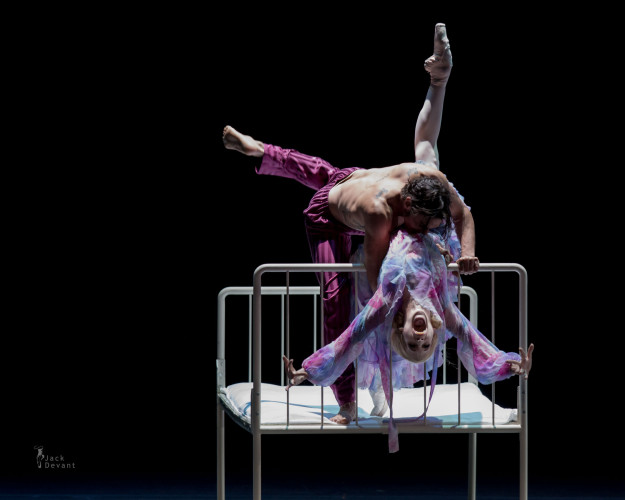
(284, 292)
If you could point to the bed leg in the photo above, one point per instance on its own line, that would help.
(523, 472)
(256, 467)
(221, 454)
(472, 465)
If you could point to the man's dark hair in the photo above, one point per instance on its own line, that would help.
(430, 197)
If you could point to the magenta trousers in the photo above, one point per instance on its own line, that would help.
(330, 241)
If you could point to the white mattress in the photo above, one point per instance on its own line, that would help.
(305, 405)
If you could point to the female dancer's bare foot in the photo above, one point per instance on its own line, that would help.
(346, 414)
(440, 63)
(379, 402)
(242, 143)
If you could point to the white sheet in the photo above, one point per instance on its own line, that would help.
(305, 405)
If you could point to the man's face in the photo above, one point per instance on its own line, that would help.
(420, 223)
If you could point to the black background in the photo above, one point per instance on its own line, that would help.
(125, 216)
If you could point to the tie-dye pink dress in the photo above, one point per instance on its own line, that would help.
(412, 261)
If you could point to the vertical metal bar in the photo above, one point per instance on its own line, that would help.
(356, 304)
(523, 473)
(221, 453)
(322, 329)
(473, 309)
(523, 437)
(256, 450)
(459, 382)
(321, 387)
(314, 323)
(445, 363)
(282, 346)
(472, 472)
(221, 382)
(390, 377)
(356, 307)
(286, 318)
(356, 387)
(256, 388)
(249, 340)
(221, 325)
(321, 292)
(492, 329)
(458, 353)
(425, 390)
(472, 465)
(492, 305)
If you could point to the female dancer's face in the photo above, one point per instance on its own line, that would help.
(417, 331)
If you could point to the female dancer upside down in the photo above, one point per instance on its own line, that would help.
(399, 335)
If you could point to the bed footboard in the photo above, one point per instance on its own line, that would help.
(257, 419)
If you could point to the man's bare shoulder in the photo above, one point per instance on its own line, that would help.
(378, 214)
(378, 220)
(378, 207)
(420, 169)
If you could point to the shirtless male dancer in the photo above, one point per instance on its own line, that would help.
(374, 203)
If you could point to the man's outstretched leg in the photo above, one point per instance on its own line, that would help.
(327, 244)
(311, 171)
(429, 121)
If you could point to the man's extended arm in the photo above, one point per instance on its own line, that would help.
(465, 229)
(377, 240)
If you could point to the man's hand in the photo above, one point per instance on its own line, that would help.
(294, 377)
(525, 365)
(468, 265)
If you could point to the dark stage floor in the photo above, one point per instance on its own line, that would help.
(364, 489)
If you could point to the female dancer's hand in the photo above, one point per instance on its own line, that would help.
(445, 253)
(294, 377)
(525, 365)
(466, 265)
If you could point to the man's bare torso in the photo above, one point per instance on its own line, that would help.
(374, 191)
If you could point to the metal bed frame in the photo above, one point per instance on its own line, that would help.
(257, 429)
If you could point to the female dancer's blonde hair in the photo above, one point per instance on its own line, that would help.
(399, 344)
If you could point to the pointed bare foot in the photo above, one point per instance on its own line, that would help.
(439, 64)
(242, 143)
(346, 414)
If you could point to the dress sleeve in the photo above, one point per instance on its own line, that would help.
(480, 357)
(328, 363)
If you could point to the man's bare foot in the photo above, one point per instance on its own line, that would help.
(242, 143)
(439, 64)
(346, 414)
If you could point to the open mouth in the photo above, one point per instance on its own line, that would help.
(419, 323)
